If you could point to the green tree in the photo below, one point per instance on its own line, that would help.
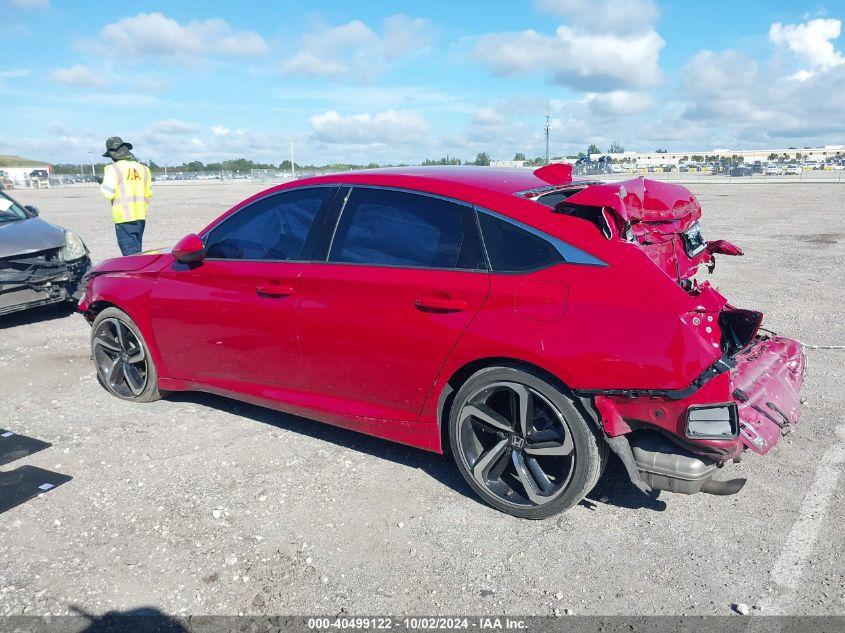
(519, 156)
(615, 148)
(593, 149)
(482, 159)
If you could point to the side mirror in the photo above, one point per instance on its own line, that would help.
(32, 209)
(189, 249)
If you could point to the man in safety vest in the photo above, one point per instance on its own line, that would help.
(127, 184)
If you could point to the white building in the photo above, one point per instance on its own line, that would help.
(20, 174)
(510, 164)
(645, 159)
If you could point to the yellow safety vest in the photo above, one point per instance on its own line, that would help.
(128, 185)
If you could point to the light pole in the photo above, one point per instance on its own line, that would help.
(93, 171)
(548, 129)
(292, 168)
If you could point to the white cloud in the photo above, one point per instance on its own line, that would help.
(719, 73)
(31, 4)
(14, 73)
(620, 103)
(175, 127)
(748, 103)
(78, 76)
(355, 51)
(385, 128)
(219, 130)
(310, 65)
(576, 57)
(811, 41)
(155, 34)
(623, 16)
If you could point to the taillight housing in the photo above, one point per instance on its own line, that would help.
(739, 327)
(712, 421)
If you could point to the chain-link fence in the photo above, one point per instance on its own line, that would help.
(610, 173)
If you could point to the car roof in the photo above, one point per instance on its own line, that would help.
(506, 181)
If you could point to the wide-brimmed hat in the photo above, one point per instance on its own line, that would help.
(114, 143)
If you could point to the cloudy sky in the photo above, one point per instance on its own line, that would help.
(388, 82)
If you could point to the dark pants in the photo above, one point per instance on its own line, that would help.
(129, 236)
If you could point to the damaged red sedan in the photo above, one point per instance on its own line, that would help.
(527, 323)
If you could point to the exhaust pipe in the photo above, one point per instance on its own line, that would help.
(664, 465)
(723, 488)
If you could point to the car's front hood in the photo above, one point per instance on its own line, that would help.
(22, 237)
(127, 263)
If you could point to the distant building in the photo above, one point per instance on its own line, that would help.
(646, 159)
(507, 163)
(19, 174)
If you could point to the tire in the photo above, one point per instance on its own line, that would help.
(122, 358)
(531, 470)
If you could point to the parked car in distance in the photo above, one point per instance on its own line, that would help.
(40, 263)
(39, 178)
(740, 171)
(773, 169)
(793, 169)
(527, 323)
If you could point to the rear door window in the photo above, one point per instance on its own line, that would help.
(384, 227)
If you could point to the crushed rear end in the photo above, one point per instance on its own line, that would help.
(747, 398)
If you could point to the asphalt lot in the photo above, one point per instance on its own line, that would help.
(202, 505)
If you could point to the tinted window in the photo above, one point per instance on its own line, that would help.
(395, 228)
(274, 228)
(512, 249)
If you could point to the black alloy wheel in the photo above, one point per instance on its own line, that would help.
(522, 445)
(121, 358)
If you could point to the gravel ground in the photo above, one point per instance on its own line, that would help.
(202, 505)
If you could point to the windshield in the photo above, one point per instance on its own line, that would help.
(11, 210)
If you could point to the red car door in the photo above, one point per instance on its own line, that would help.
(405, 275)
(229, 320)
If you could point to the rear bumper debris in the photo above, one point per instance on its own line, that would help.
(765, 384)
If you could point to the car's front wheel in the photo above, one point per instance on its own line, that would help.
(122, 358)
(522, 445)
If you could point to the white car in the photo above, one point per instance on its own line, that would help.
(793, 170)
(773, 170)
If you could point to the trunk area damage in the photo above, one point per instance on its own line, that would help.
(748, 398)
(40, 278)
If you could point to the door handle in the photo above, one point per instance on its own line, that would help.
(274, 289)
(440, 304)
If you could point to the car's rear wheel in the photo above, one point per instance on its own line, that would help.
(522, 445)
(122, 358)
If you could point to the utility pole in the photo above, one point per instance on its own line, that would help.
(292, 168)
(93, 171)
(548, 130)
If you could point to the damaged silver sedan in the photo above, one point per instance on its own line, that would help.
(40, 263)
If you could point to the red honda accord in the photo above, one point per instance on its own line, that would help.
(527, 323)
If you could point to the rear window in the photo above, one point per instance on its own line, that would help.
(385, 227)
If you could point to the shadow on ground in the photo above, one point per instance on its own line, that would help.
(142, 620)
(616, 489)
(437, 466)
(614, 484)
(37, 315)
